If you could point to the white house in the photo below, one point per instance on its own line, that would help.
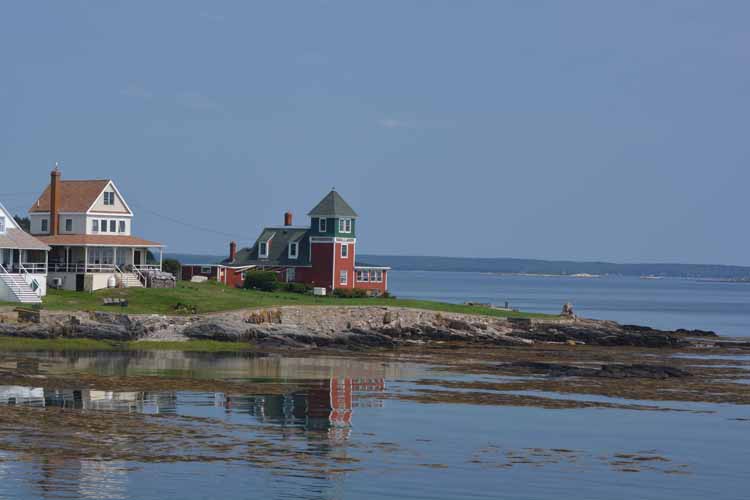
(23, 263)
(88, 225)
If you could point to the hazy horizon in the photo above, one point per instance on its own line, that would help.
(580, 131)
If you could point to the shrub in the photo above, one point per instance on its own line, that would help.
(297, 288)
(265, 281)
(171, 266)
(350, 293)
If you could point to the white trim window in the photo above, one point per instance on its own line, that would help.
(121, 229)
(345, 225)
(95, 225)
(45, 225)
(103, 225)
(344, 251)
(207, 270)
(263, 249)
(343, 277)
(363, 276)
(291, 274)
(376, 276)
(112, 226)
(322, 225)
(109, 198)
(68, 225)
(2, 224)
(293, 249)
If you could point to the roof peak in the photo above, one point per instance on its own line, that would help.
(332, 205)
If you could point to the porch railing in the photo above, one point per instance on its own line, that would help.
(80, 267)
(26, 267)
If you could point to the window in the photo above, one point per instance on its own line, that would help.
(2, 224)
(95, 226)
(377, 276)
(363, 276)
(122, 226)
(109, 198)
(293, 250)
(344, 251)
(103, 225)
(345, 225)
(322, 225)
(206, 270)
(291, 274)
(263, 249)
(68, 225)
(343, 277)
(113, 226)
(45, 225)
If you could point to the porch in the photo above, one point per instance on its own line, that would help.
(23, 261)
(104, 259)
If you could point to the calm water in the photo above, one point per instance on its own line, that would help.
(340, 428)
(343, 434)
(664, 303)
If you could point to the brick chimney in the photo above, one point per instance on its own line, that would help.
(54, 200)
(232, 250)
(288, 219)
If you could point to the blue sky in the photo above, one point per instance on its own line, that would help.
(541, 129)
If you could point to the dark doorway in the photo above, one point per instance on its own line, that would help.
(80, 282)
(137, 258)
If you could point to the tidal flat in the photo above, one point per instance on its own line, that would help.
(447, 421)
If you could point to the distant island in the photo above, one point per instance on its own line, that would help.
(533, 267)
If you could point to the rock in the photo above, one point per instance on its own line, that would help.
(604, 371)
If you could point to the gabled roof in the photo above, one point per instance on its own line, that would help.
(278, 249)
(75, 196)
(333, 205)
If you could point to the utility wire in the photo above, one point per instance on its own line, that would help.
(184, 223)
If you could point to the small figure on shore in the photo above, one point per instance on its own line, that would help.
(567, 311)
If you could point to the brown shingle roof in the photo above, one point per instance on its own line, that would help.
(75, 196)
(97, 240)
(20, 239)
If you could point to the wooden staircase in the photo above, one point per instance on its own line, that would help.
(23, 291)
(130, 280)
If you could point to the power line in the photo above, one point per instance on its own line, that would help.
(185, 223)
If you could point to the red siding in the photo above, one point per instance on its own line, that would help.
(189, 271)
(345, 264)
(373, 285)
(321, 272)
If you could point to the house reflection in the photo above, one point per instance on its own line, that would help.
(325, 405)
(322, 405)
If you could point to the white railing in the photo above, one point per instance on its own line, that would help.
(82, 268)
(26, 267)
(35, 267)
(30, 280)
(148, 267)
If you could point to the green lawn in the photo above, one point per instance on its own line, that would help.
(213, 297)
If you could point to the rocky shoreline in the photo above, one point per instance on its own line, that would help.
(352, 328)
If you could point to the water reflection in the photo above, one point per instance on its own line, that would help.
(323, 405)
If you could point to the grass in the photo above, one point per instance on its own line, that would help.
(213, 297)
(17, 344)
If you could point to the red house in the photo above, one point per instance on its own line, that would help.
(322, 255)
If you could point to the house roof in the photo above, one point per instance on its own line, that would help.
(278, 249)
(333, 205)
(75, 196)
(20, 239)
(98, 240)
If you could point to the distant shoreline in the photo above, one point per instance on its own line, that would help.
(533, 267)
